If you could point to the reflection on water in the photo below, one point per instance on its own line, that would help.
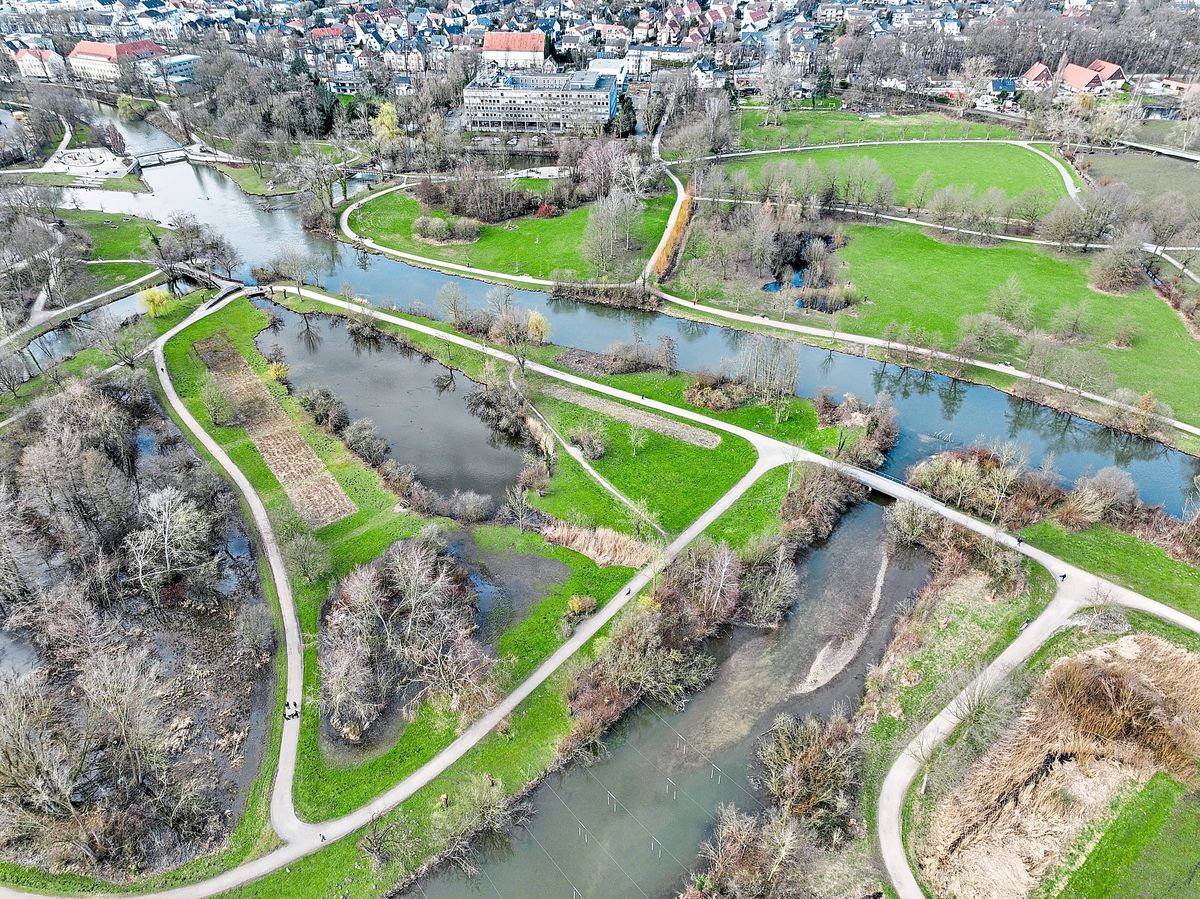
(935, 412)
(18, 655)
(649, 804)
(429, 429)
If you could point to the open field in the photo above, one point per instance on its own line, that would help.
(252, 182)
(116, 239)
(528, 245)
(664, 472)
(799, 127)
(1147, 174)
(910, 277)
(1123, 559)
(977, 166)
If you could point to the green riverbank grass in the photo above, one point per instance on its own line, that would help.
(1011, 168)
(251, 182)
(323, 789)
(755, 514)
(1149, 849)
(119, 239)
(1124, 560)
(528, 245)
(678, 480)
(806, 127)
(108, 275)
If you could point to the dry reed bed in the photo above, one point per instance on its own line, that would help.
(603, 546)
(1098, 721)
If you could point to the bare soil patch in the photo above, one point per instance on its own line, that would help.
(313, 491)
(637, 417)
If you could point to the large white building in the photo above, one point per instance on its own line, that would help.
(509, 101)
(96, 61)
(515, 49)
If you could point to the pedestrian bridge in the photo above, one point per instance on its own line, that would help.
(160, 156)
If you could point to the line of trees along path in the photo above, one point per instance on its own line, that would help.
(304, 838)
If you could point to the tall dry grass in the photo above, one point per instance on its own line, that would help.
(604, 546)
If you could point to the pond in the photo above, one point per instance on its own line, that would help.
(69, 338)
(631, 823)
(426, 427)
(18, 655)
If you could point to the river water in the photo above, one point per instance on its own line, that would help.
(935, 412)
(630, 824)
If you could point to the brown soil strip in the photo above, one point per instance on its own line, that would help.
(317, 497)
(648, 420)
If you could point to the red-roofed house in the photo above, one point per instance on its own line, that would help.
(1039, 77)
(515, 49)
(1110, 73)
(97, 61)
(40, 64)
(329, 37)
(1080, 79)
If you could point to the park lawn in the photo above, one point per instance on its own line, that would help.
(574, 496)
(800, 428)
(1149, 849)
(755, 514)
(127, 240)
(322, 789)
(129, 182)
(1147, 174)
(910, 277)
(527, 245)
(801, 127)
(251, 182)
(1123, 559)
(108, 275)
(977, 166)
(678, 480)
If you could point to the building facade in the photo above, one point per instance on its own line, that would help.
(507, 101)
(515, 49)
(97, 61)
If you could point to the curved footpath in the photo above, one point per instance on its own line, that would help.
(807, 330)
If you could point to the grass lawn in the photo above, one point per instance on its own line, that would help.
(805, 127)
(978, 166)
(119, 239)
(253, 183)
(1147, 174)
(108, 275)
(528, 245)
(910, 277)
(755, 514)
(678, 480)
(130, 183)
(323, 790)
(1148, 851)
(799, 428)
(1124, 560)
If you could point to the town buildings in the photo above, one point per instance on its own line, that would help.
(102, 61)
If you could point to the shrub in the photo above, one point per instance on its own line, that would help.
(469, 506)
(307, 556)
(325, 408)
(465, 230)
(545, 211)
(362, 439)
(590, 438)
(216, 400)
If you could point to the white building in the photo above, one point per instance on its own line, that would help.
(515, 49)
(618, 68)
(508, 101)
(97, 61)
(43, 64)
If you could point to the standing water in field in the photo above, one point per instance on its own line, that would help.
(631, 824)
(426, 427)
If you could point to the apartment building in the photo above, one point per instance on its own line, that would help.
(508, 101)
(97, 61)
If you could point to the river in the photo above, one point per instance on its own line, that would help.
(630, 824)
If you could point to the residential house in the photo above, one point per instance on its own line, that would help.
(707, 76)
(1112, 76)
(1079, 79)
(41, 64)
(1037, 78)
